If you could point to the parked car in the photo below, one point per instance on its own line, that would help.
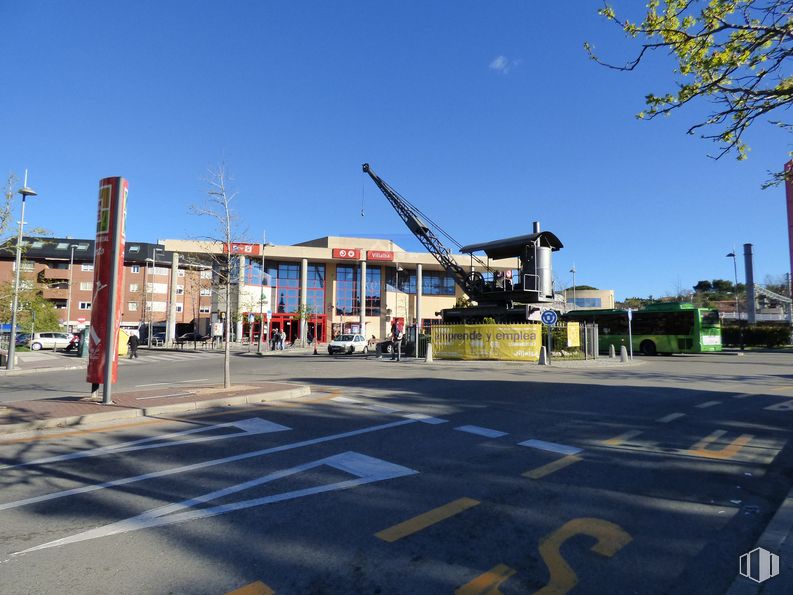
(22, 339)
(50, 341)
(387, 346)
(350, 343)
(191, 337)
(158, 338)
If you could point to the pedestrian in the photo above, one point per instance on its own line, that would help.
(132, 344)
(282, 340)
(310, 337)
(396, 342)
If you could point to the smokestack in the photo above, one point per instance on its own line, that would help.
(536, 225)
(749, 267)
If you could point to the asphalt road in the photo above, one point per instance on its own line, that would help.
(409, 478)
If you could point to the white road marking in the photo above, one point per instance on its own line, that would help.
(480, 431)
(783, 406)
(707, 404)
(551, 447)
(381, 408)
(152, 384)
(249, 427)
(671, 417)
(425, 419)
(366, 469)
(203, 465)
(345, 400)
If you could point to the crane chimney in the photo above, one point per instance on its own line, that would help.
(536, 225)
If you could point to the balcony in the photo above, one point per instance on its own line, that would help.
(55, 294)
(56, 274)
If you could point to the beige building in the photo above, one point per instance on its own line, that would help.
(339, 284)
(589, 299)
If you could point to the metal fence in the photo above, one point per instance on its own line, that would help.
(570, 342)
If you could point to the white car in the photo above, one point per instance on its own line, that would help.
(349, 343)
(50, 341)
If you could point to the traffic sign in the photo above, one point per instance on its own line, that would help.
(549, 317)
(251, 318)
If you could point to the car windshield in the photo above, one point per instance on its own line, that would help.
(344, 338)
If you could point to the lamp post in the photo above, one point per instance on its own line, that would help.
(69, 298)
(148, 308)
(737, 303)
(575, 304)
(25, 192)
(261, 296)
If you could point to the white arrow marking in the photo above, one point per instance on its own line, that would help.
(366, 469)
(249, 427)
(196, 466)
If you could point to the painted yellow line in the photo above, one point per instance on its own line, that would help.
(624, 437)
(257, 588)
(610, 539)
(424, 520)
(700, 449)
(551, 467)
(487, 583)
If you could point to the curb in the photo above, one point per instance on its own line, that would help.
(778, 539)
(129, 413)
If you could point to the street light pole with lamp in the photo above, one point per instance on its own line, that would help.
(261, 296)
(25, 192)
(69, 298)
(575, 304)
(737, 303)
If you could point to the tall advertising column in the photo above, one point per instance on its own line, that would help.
(789, 196)
(108, 279)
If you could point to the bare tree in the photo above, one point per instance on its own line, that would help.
(218, 207)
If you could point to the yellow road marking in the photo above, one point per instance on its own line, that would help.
(424, 520)
(610, 539)
(700, 449)
(624, 437)
(487, 583)
(257, 588)
(551, 467)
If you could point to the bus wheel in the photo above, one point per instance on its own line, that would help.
(648, 348)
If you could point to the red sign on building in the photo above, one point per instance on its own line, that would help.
(379, 255)
(348, 253)
(108, 249)
(244, 249)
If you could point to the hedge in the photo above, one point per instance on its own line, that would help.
(756, 335)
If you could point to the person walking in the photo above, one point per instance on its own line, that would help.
(132, 344)
(282, 339)
(396, 343)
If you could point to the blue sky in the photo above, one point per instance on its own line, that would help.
(486, 115)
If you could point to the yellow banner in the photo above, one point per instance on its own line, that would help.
(573, 335)
(519, 342)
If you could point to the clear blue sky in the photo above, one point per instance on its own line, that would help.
(486, 115)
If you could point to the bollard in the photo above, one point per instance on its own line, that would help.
(543, 357)
(611, 352)
(623, 354)
(428, 357)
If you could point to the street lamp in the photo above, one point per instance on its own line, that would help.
(69, 298)
(25, 192)
(148, 308)
(737, 307)
(261, 296)
(575, 304)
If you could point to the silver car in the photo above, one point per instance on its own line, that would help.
(50, 341)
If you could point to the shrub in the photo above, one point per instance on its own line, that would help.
(756, 335)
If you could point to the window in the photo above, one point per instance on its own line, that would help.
(180, 290)
(87, 267)
(86, 285)
(26, 266)
(134, 288)
(180, 273)
(135, 268)
(159, 271)
(204, 310)
(207, 274)
(437, 283)
(179, 308)
(348, 301)
(287, 285)
(134, 249)
(206, 291)
(25, 284)
(373, 293)
(132, 306)
(37, 244)
(159, 288)
(585, 302)
(85, 306)
(83, 247)
(62, 246)
(315, 288)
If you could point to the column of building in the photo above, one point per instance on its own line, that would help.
(238, 308)
(363, 298)
(419, 296)
(170, 322)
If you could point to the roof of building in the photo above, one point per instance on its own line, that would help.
(510, 247)
(60, 249)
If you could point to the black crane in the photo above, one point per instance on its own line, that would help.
(500, 298)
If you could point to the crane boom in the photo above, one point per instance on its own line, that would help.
(468, 282)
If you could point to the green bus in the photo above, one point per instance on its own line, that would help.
(672, 327)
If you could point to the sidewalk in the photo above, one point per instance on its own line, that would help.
(25, 416)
